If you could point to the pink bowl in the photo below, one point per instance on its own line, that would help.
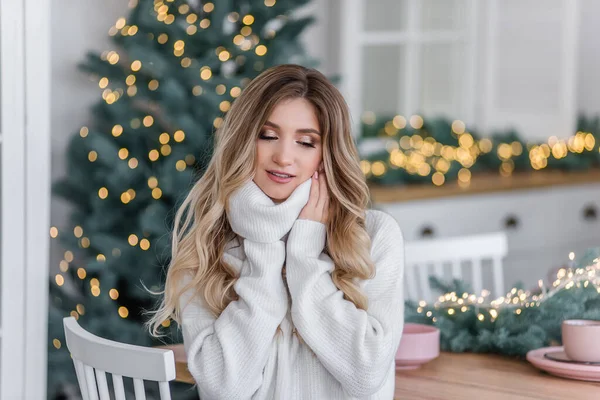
(419, 344)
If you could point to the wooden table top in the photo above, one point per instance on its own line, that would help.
(467, 376)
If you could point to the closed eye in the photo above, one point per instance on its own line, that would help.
(305, 144)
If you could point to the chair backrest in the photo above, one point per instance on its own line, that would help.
(428, 257)
(94, 357)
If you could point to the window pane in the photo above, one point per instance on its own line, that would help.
(383, 70)
(386, 15)
(442, 15)
(442, 80)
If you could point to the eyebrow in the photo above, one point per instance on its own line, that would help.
(303, 130)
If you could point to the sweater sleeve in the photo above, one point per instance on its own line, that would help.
(227, 355)
(356, 346)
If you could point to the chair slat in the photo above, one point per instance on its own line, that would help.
(165, 392)
(438, 269)
(456, 269)
(118, 387)
(498, 277)
(102, 385)
(81, 378)
(424, 283)
(90, 381)
(476, 276)
(138, 388)
(411, 281)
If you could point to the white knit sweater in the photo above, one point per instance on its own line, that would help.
(346, 353)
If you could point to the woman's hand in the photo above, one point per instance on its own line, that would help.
(317, 208)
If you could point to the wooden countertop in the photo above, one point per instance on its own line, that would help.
(483, 183)
(468, 376)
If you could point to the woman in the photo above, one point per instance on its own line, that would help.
(285, 286)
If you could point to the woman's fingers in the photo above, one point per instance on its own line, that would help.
(314, 190)
(323, 203)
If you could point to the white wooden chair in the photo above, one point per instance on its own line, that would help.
(93, 355)
(428, 257)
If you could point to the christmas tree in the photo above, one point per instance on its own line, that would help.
(175, 68)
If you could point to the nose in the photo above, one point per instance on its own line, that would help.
(284, 153)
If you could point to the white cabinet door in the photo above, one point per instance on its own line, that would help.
(25, 196)
(530, 73)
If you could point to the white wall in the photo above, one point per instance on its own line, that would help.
(589, 58)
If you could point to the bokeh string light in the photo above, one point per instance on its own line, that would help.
(413, 151)
(516, 299)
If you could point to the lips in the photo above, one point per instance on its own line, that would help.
(281, 173)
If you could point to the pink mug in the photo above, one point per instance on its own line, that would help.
(581, 339)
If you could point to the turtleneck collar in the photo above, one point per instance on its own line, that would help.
(254, 216)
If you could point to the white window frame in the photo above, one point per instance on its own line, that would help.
(25, 201)
(355, 38)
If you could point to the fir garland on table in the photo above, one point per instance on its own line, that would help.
(518, 322)
(438, 150)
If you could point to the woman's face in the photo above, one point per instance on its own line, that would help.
(289, 143)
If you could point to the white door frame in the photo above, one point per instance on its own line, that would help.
(25, 197)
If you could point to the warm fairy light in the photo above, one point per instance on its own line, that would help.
(458, 127)
(148, 121)
(164, 138)
(197, 90)
(165, 150)
(218, 122)
(270, 3)
(133, 240)
(205, 23)
(114, 294)
(117, 130)
(378, 168)
(248, 19)
(136, 65)
(123, 312)
(156, 193)
(208, 7)
(84, 131)
(60, 280)
(92, 156)
(101, 258)
(224, 55)
(186, 62)
(153, 155)
(123, 153)
(416, 121)
(205, 73)
(56, 343)
(81, 273)
(53, 232)
(261, 50)
(153, 84)
(144, 244)
(224, 106)
(180, 165)
(103, 193)
(235, 91)
(162, 38)
(152, 182)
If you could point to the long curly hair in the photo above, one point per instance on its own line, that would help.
(201, 229)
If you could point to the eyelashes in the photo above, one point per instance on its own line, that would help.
(305, 144)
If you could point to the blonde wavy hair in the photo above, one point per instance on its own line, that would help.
(201, 229)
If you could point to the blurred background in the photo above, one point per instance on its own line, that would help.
(471, 117)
